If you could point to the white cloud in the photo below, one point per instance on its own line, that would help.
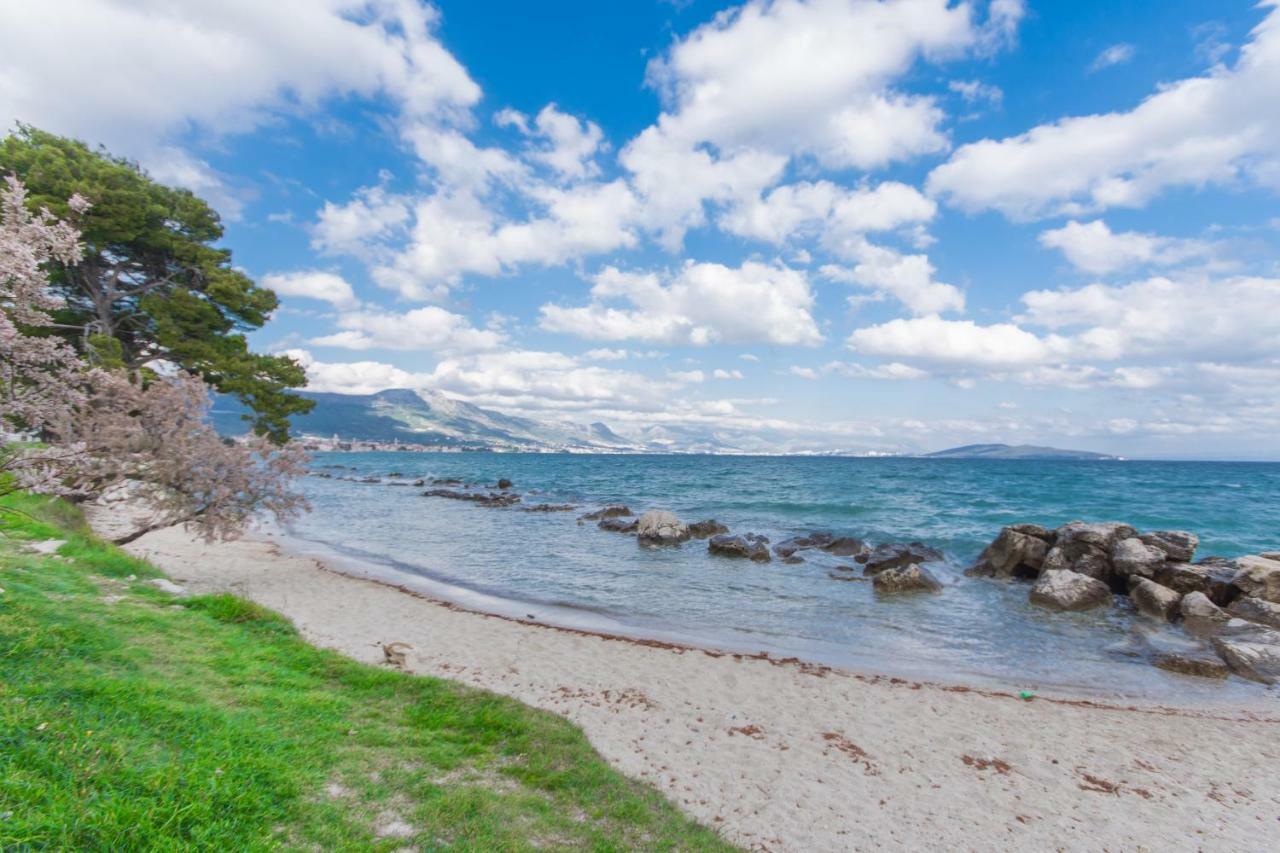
(852, 370)
(357, 377)
(746, 356)
(563, 143)
(702, 303)
(956, 342)
(1219, 128)
(431, 328)
(973, 91)
(1095, 248)
(1116, 54)
(313, 284)
(836, 213)
(721, 373)
(907, 278)
(356, 227)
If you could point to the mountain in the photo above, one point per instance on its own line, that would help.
(428, 417)
(1013, 451)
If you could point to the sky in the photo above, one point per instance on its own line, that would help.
(841, 224)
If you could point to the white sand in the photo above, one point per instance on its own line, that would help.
(783, 757)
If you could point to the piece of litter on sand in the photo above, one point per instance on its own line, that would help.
(1026, 695)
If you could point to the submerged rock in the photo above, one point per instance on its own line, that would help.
(1256, 610)
(659, 528)
(706, 529)
(1199, 664)
(912, 578)
(504, 483)
(895, 556)
(1177, 545)
(1258, 577)
(1133, 557)
(1013, 554)
(482, 498)
(618, 525)
(616, 511)
(549, 508)
(750, 546)
(1252, 651)
(1152, 599)
(1063, 589)
(846, 546)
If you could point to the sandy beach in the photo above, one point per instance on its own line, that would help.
(785, 756)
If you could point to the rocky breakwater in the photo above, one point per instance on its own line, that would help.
(1230, 608)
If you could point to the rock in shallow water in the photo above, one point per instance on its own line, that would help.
(1133, 557)
(1211, 578)
(659, 528)
(1199, 664)
(1013, 554)
(1252, 651)
(749, 546)
(1178, 545)
(616, 511)
(618, 525)
(1258, 577)
(1063, 589)
(896, 556)
(1256, 610)
(706, 529)
(1152, 599)
(912, 578)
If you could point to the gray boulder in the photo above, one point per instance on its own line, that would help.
(1200, 616)
(616, 511)
(1211, 578)
(896, 556)
(1080, 557)
(1134, 558)
(1062, 589)
(846, 546)
(707, 529)
(1101, 535)
(1152, 599)
(1178, 545)
(1197, 663)
(618, 525)
(1258, 577)
(749, 546)
(658, 528)
(1252, 651)
(1256, 610)
(1012, 554)
(1034, 530)
(912, 578)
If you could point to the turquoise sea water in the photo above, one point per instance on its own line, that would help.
(548, 566)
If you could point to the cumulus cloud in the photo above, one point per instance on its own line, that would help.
(956, 342)
(907, 278)
(700, 304)
(1093, 247)
(1219, 128)
(431, 329)
(313, 284)
(837, 214)
(560, 141)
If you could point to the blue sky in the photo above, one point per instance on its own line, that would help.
(892, 225)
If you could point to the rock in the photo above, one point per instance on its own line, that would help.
(896, 556)
(749, 546)
(1063, 589)
(48, 546)
(659, 527)
(1080, 557)
(911, 578)
(1200, 616)
(504, 483)
(549, 508)
(1178, 545)
(1252, 651)
(1256, 610)
(1100, 535)
(618, 525)
(482, 498)
(1199, 664)
(1013, 554)
(166, 585)
(793, 560)
(1258, 577)
(1034, 530)
(1213, 579)
(845, 546)
(419, 482)
(607, 512)
(1152, 599)
(707, 529)
(1270, 555)
(1135, 558)
(446, 481)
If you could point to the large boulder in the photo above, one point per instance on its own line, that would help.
(1178, 545)
(1134, 558)
(1063, 589)
(1198, 663)
(1256, 610)
(1013, 554)
(896, 556)
(1101, 535)
(707, 529)
(1258, 577)
(1035, 530)
(658, 527)
(1079, 556)
(616, 511)
(1211, 578)
(912, 578)
(1252, 651)
(1200, 616)
(749, 546)
(1152, 599)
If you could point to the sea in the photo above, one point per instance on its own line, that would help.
(549, 568)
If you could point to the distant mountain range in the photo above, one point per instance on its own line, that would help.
(1013, 451)
(432, 418)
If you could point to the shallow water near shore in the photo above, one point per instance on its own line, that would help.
(522, 563)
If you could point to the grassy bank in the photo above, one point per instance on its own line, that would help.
(133, 720)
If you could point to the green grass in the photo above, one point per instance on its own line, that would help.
(132, 720)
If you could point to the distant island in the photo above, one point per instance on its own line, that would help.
(1013, 451)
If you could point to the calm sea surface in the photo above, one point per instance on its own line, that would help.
(550, 567)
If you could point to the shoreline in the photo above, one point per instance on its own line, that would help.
(781, 755)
